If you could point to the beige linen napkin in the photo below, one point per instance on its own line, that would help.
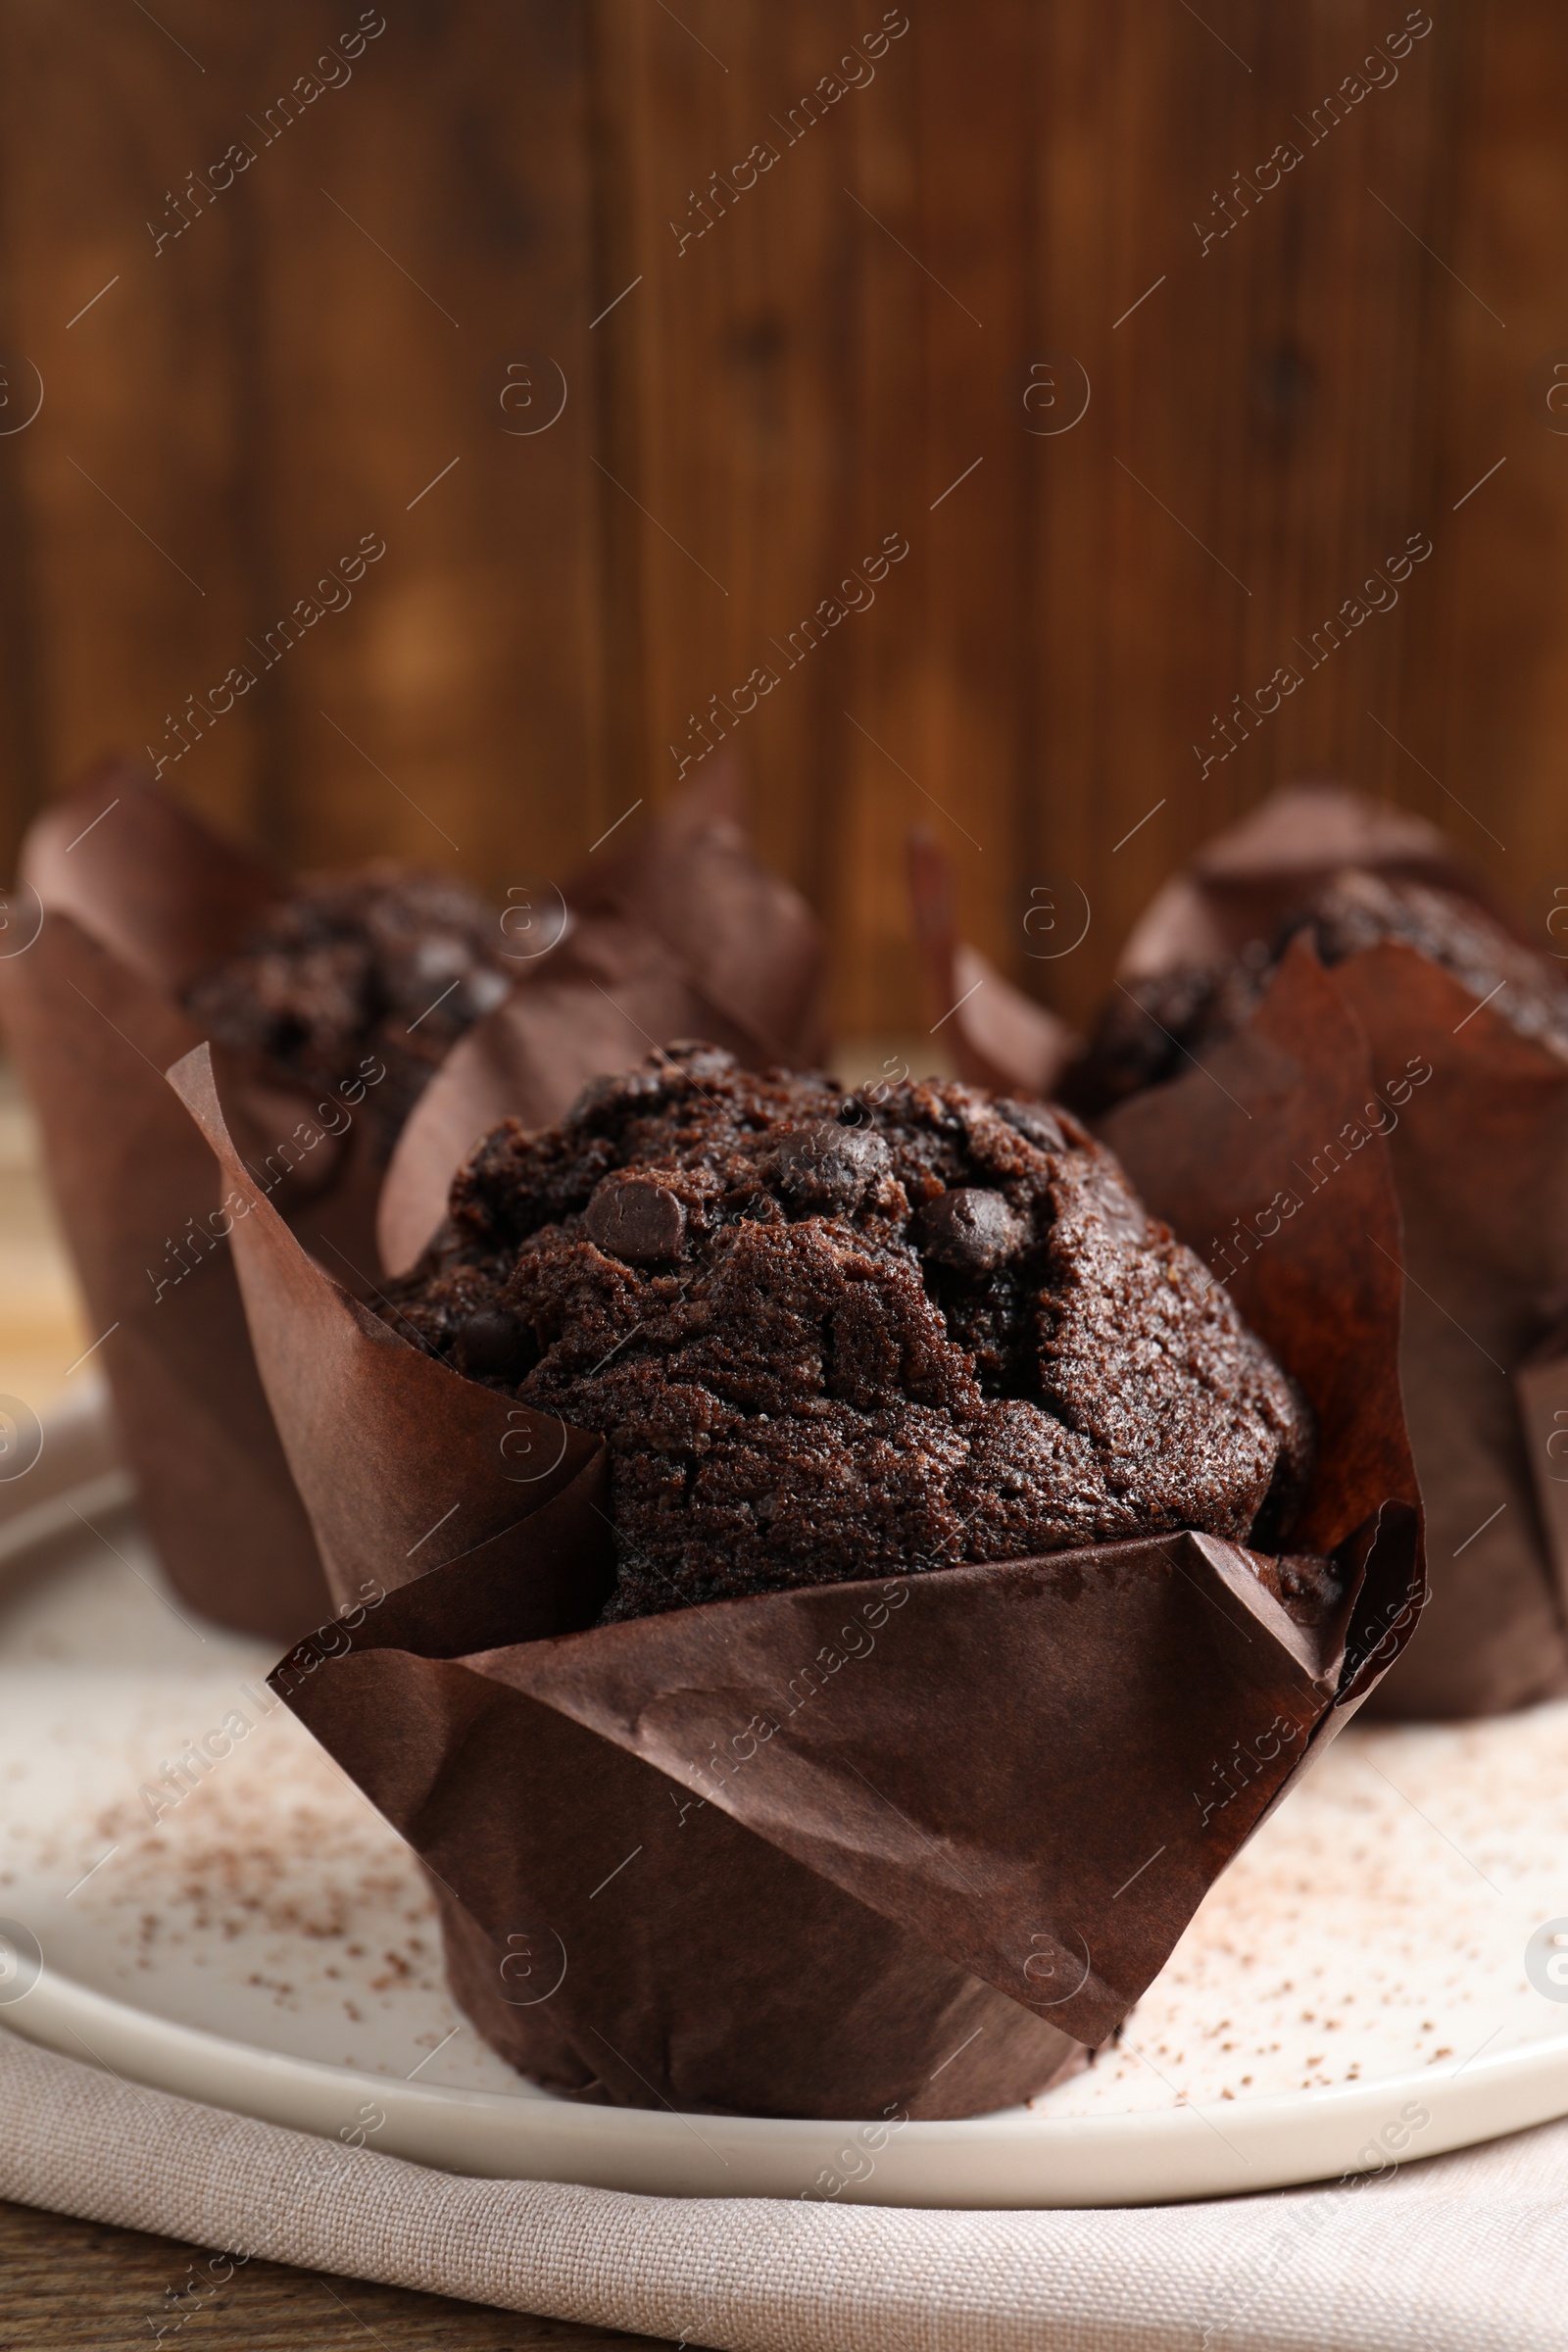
(1463, 2253)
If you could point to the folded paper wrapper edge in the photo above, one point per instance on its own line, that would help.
(308, 1331)
(1247, 879)
(144, 875)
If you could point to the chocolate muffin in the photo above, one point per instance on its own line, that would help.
(385, 961)
(829, 1337)
(1154, 1027)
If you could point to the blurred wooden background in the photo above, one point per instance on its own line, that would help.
(323, 352)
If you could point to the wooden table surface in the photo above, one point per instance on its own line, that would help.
(81, 2284)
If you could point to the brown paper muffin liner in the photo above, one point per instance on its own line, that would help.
(907, 1845)
(1475, 1120)
(999, 1036)
(140, 897)
(680, 934)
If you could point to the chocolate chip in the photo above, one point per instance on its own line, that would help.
(970, 1229)
(1036, 1124)
(494, 1345)
(637, 1219)
(696, 1059)
(826, 1168)
(603, 1100)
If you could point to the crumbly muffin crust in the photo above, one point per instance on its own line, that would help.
(385, 961)
(1152, 1029)
(828, 1337)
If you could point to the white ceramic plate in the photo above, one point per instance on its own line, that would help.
(1353, 1994)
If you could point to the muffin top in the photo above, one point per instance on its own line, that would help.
(828, 1337)
(1149, 1029)
(385, 961)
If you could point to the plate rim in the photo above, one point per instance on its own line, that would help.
(1134, 2157)
(1128, 2154)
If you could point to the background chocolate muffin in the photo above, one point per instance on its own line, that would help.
(826, 1337)
(1150, 1026)
(386, 960)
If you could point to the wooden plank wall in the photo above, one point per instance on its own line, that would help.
(836, 240)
